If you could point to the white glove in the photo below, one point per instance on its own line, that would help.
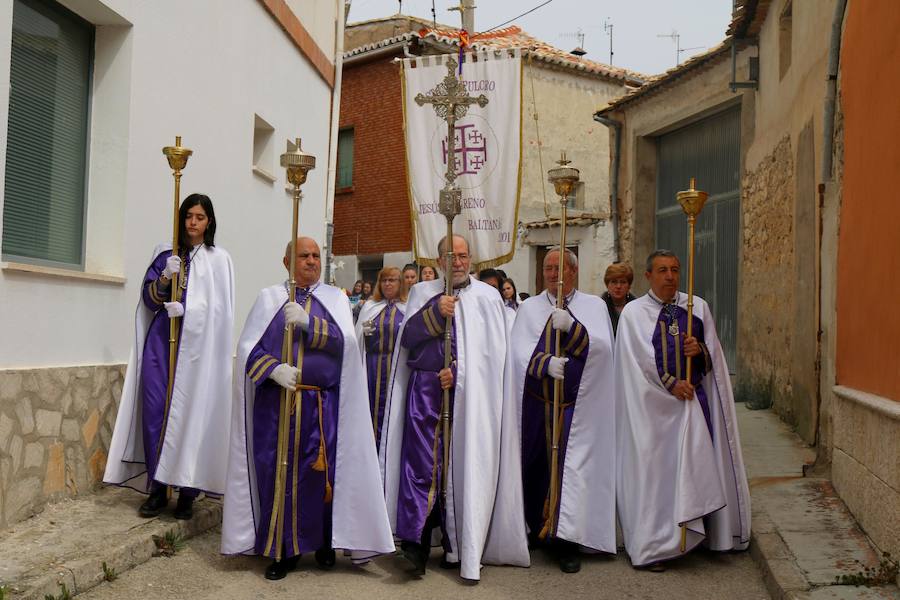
(557, 367)
(562, 320)
(175, 309)
(173, 267)
(286, 376)
(368, 328)
(296, 316)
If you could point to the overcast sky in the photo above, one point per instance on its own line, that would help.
(636, 24)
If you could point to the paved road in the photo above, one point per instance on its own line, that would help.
(199, 572)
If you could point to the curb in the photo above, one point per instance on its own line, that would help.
(783, 578)
(83, 574)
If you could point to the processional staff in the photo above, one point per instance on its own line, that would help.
(451, 103)
(177, 157)
(691, 201)
(563, 179)
(298, 164)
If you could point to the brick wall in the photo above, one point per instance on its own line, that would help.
(372, 217)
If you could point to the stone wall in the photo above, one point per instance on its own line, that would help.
(765, 299)
(55, 428)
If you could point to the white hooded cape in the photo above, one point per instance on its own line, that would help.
(669, 470)
(196, 439)
(359, 517)
(485, 516)
(587, 505)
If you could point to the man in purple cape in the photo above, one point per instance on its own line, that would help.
(328, 495)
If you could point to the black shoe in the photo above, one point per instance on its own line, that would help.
(184, 509)
(567, 554)
(416, 555)
(280, 568)
(325, 558)
(570, 563)
(154, 505)
(446, 564)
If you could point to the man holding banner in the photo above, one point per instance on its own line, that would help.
(481, 518)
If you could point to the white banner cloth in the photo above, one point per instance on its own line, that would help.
(488, 155)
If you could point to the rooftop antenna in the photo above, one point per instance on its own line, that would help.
(608, 29)
(579, 35)
(433, 15)
(676, 37)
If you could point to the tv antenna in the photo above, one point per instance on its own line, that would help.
(676, 37)
(608, 29)
(579, 35)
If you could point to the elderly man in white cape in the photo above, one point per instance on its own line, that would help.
(680, 475)
(329, 494)
(482, 520)
(586, 512)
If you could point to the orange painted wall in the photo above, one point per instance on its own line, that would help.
(868, 294)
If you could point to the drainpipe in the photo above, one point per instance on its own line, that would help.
(834, 56)
(341, 13)
(614, 184)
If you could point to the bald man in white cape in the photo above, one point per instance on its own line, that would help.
(333, 496)
(679, 451)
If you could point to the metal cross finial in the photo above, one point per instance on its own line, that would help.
(562, 159)
(451, 103)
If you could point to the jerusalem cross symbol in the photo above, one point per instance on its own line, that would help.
(470, 149)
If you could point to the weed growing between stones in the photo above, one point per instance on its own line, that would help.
(885, 573)
(64, 594)
(108, 573)
(169, 544)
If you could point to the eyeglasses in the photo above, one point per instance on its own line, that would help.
(458, 257)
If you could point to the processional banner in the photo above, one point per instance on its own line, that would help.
(488, 149)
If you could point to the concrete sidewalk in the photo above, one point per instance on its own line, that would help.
(69, 541)
(803, 536)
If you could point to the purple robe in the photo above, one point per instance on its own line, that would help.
(155, 365)
(379, 359)
(319, 352)
(537, 415)
(422, 449)
(669, 350)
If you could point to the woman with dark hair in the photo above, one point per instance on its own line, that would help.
(618, 280)
(510, 296)
(162, 438)
(428, 273)
(377, 331)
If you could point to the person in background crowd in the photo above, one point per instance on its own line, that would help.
(491, 277)
(428, 274)
(508, 291)
(377, 331)
(618, 279)
(410, 275)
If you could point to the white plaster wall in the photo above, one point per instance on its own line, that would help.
(318, 18)
(195, 70)
(565, 104)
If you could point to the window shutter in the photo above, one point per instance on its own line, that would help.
(46, 151)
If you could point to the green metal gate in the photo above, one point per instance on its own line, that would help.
(709, 151)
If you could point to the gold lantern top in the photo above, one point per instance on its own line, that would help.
(692, 200)
(297, 162)
(177, 155)
(563, 177)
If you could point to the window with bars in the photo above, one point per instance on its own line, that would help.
(46, 149)
(345, 158)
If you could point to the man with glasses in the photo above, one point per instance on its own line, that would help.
(481, 520)
(585, 513)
